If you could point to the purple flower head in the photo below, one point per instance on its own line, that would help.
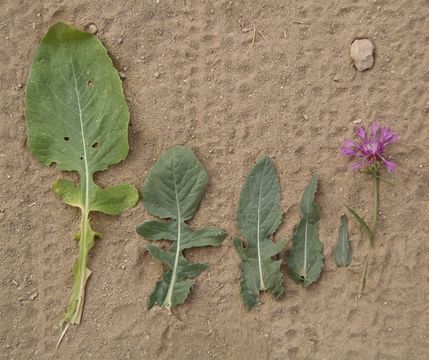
(368, 148)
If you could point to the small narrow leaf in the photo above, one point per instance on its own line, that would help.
(305, 260)
(173, 190)
(342, 252)
(77, 119)
(361, 222)
(258, 217)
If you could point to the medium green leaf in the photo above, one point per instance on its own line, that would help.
(77, 119)
(258, 217)
(202, 237)
(305, 260)
(114, 200)
(342, 252)
(158, 230)
(173, 190)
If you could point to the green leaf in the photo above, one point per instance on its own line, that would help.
(305, 260)
(258, 217)
(361, 222)
(115, 199)
(77, 119)
(158, 230)
(342, 252)
(173, 190)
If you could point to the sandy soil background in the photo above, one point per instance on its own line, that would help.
(193, 77)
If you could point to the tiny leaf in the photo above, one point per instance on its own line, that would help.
(305, 260)
(361, 222)
(173, 190)
(258, 217)
(342, 252)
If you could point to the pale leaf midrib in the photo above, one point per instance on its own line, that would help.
(262, 285)
(343, 242)
(306, 235)
(84, 245)
(168, 299)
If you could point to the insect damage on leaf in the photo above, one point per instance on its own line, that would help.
(173, 190)
(342, 252)
(258, 217)
(79, 128)
(305, 260)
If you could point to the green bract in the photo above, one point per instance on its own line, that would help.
(173, 190)
(77, 119)
(258, 217)
(305, 260)
(342, 252)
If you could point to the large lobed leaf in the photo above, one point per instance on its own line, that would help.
(173, 190)
(77, 119)
(342, 252)
(305, 260)
(258, 217)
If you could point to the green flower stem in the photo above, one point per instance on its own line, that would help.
(376, 202)
(376, 197)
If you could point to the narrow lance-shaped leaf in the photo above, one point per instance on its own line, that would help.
(173, 190)
(305, 260)
(362, 223)
(342, 252)
(78, 120)
(258, 217)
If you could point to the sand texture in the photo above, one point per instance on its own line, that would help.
(197, 74)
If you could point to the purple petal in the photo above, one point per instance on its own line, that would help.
(361, 133)
(388, 136)
(358, 165)
(349, 148)
(390, 165)
(348, 152)
(374, 128)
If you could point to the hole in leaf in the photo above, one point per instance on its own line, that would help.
(81, 157)
(89, 83)
(95, 145)
(66, 138)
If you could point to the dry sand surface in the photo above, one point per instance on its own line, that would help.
(195, 76)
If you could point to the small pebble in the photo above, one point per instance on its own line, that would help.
(306, 118)
(122, 75)
(357, 121)
(92, 29)
(421, 166)
(362, 53)
(156, 75)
